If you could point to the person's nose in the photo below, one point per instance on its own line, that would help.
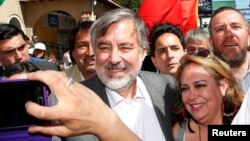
(90, 51)
(193, 94)
(229, 31)
(115, 57)
(18, 55)
(169, 53)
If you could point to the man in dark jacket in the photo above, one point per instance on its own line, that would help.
(119, 42)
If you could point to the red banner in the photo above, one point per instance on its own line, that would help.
(179, 12)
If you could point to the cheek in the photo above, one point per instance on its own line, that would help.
(5, 59)
(25, 53)
(101, 58)
(161, 57)
(245, 39)
(208, 92)
(184, 98)
(77, 54)
(218, 38)
(219, 96)
(215, 103)
(180, 54)
(136, 58)
(132, 60)
(214, 96)
(185, 101)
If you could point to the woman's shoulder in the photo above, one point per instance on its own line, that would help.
(178, 130)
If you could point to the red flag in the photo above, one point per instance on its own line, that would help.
(178, 12)
(189, 14)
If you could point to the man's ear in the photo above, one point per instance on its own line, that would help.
(224, 86)
(211, 42)
(143, 53)
(249, 29)
(248, 40)
(154, 62)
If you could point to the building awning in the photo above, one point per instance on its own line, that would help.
(115, 3)
(112, 3)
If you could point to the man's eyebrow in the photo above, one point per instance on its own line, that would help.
(102, 43)
(11, 48)
(82, 42)
(126, 44)
(219, 25)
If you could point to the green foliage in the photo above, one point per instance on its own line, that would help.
(131, 4)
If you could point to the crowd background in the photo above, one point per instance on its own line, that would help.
(106, 54)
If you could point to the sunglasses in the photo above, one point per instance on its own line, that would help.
(201, 53)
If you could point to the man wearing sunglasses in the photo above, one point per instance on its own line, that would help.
(196, 40)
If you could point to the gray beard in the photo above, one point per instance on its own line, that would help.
(119, 83)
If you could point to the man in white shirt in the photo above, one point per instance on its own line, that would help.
(119, 41)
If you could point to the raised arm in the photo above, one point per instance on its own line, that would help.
(79, 111)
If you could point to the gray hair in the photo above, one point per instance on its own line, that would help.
(101, 25)
(198, 34)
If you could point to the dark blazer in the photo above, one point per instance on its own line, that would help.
(1, 70)
(47, 66)
(157, 85)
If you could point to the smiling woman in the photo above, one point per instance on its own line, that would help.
(210, 95)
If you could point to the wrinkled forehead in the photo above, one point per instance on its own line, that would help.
(14, 42)
(129, 23)
(228, 15)
(125, 26)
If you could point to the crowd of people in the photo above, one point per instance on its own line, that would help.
(201, 79)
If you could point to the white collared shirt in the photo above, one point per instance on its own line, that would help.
(245, 82)
(243, 115)
(138, 114)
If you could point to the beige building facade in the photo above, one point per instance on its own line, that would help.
(51, 20)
